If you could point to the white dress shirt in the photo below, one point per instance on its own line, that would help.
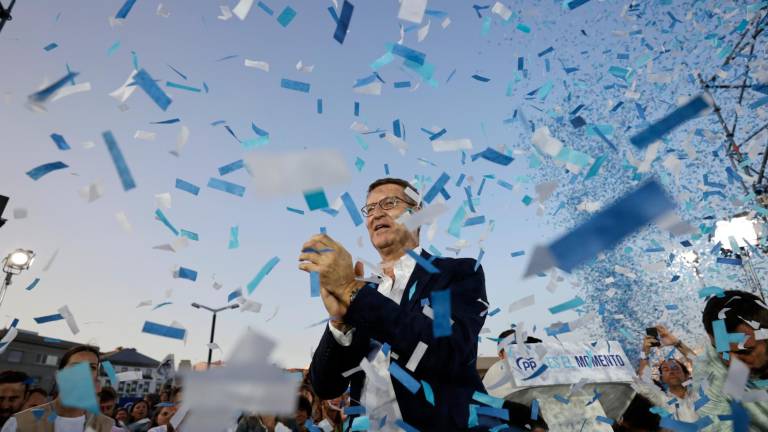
(371, 398)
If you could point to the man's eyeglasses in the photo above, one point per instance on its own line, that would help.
(387, 203)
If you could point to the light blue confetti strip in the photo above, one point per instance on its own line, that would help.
(570, 304)
(189, 274)
(429, 395)
(298, 211)
(163, 330)
(182, 87)
(441, 306)
(234, 241)
(38, 172)
(608, 227)
(360, 423)
(359, 164)
(436, 187)
(517, 253)
(51, 46)
(76, 389)
(319, 105)
(117, 157)
(412, 290)
(231, 167)
(235, 294)
(295, 85)
(534, 409)
(125, 9)
(161, 216)
(48, 318)
(150, 87)
(488, 399)
(187, 186)
(403, 377)
(315, 199)
(266, 8)
(190, 235)
(671, 121)
(314, 284)
(352, 209)
(110, 371)
(472, 421)
(426, 265)
(225, 186)
(113, 48)
(33, 284)
(286, 16)
(262, 274)
(499, 413)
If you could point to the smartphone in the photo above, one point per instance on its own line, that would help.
(654, 333)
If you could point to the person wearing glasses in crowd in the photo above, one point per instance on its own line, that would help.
(385, 322)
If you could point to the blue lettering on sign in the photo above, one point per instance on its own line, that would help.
(526, 363)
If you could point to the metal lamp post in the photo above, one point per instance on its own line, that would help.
(213, 322)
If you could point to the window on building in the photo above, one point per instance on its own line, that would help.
(15, 356)
(52, 360)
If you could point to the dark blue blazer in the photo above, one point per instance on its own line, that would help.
(449, 364)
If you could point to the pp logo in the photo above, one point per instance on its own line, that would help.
(525, 364)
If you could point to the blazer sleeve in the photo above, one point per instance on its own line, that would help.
(403, 329)
(331, 359)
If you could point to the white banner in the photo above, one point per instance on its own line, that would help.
(549, 364)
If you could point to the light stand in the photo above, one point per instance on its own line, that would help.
(213, 323)
(13, 264)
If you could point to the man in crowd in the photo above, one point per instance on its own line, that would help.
(741, 313)
(366, 316)
(108, 401)
(13, 393)
(35, 397)
(57, 417)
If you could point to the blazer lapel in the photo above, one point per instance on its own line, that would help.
(422, 279)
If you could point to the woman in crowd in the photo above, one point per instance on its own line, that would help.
(140, 421)
(161, 421)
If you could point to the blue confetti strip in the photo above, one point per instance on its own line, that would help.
(43, 95)
(125, 9)
(488, 399)
(286, 16)
(51, 46)
(266, 8)
(225, 186)
(231, 167)
(517, 253)
(427, 265)
(187, 186)
(608, 227)
(314, 284)
(189, 274)
(441, 306)
(234, 294)
(262, 274)
(408, 53)
(534, 409)
(161, 305)
(163, 330)
(150, 87)
(161, 216)
(33, 284)
(494, 156)
(605, 420)
(499, 413)
(298, 211)
(234, 241)
(342, 25)
(353, 211)
(403, 377)
(480, 78)
(182, 87)
(294, 85)
(166, 122)
(570, 304)
(671, 121)
(117, 157)
(436, 187)
(48, 318)
(573, 4)
(429, 395)
(38, 172)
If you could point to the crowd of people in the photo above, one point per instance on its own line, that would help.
(674, 386)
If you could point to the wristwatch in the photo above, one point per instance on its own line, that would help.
(353, 294)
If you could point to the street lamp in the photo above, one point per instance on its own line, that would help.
(736, 236)
(213, 322)
(13, 264)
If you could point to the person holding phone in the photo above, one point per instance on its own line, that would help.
(672, 390)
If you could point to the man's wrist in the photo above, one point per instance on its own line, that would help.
(340, 326)
(351, 292)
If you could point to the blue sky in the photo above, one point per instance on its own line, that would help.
(103, 272)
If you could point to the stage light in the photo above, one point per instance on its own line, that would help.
(742, 230)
